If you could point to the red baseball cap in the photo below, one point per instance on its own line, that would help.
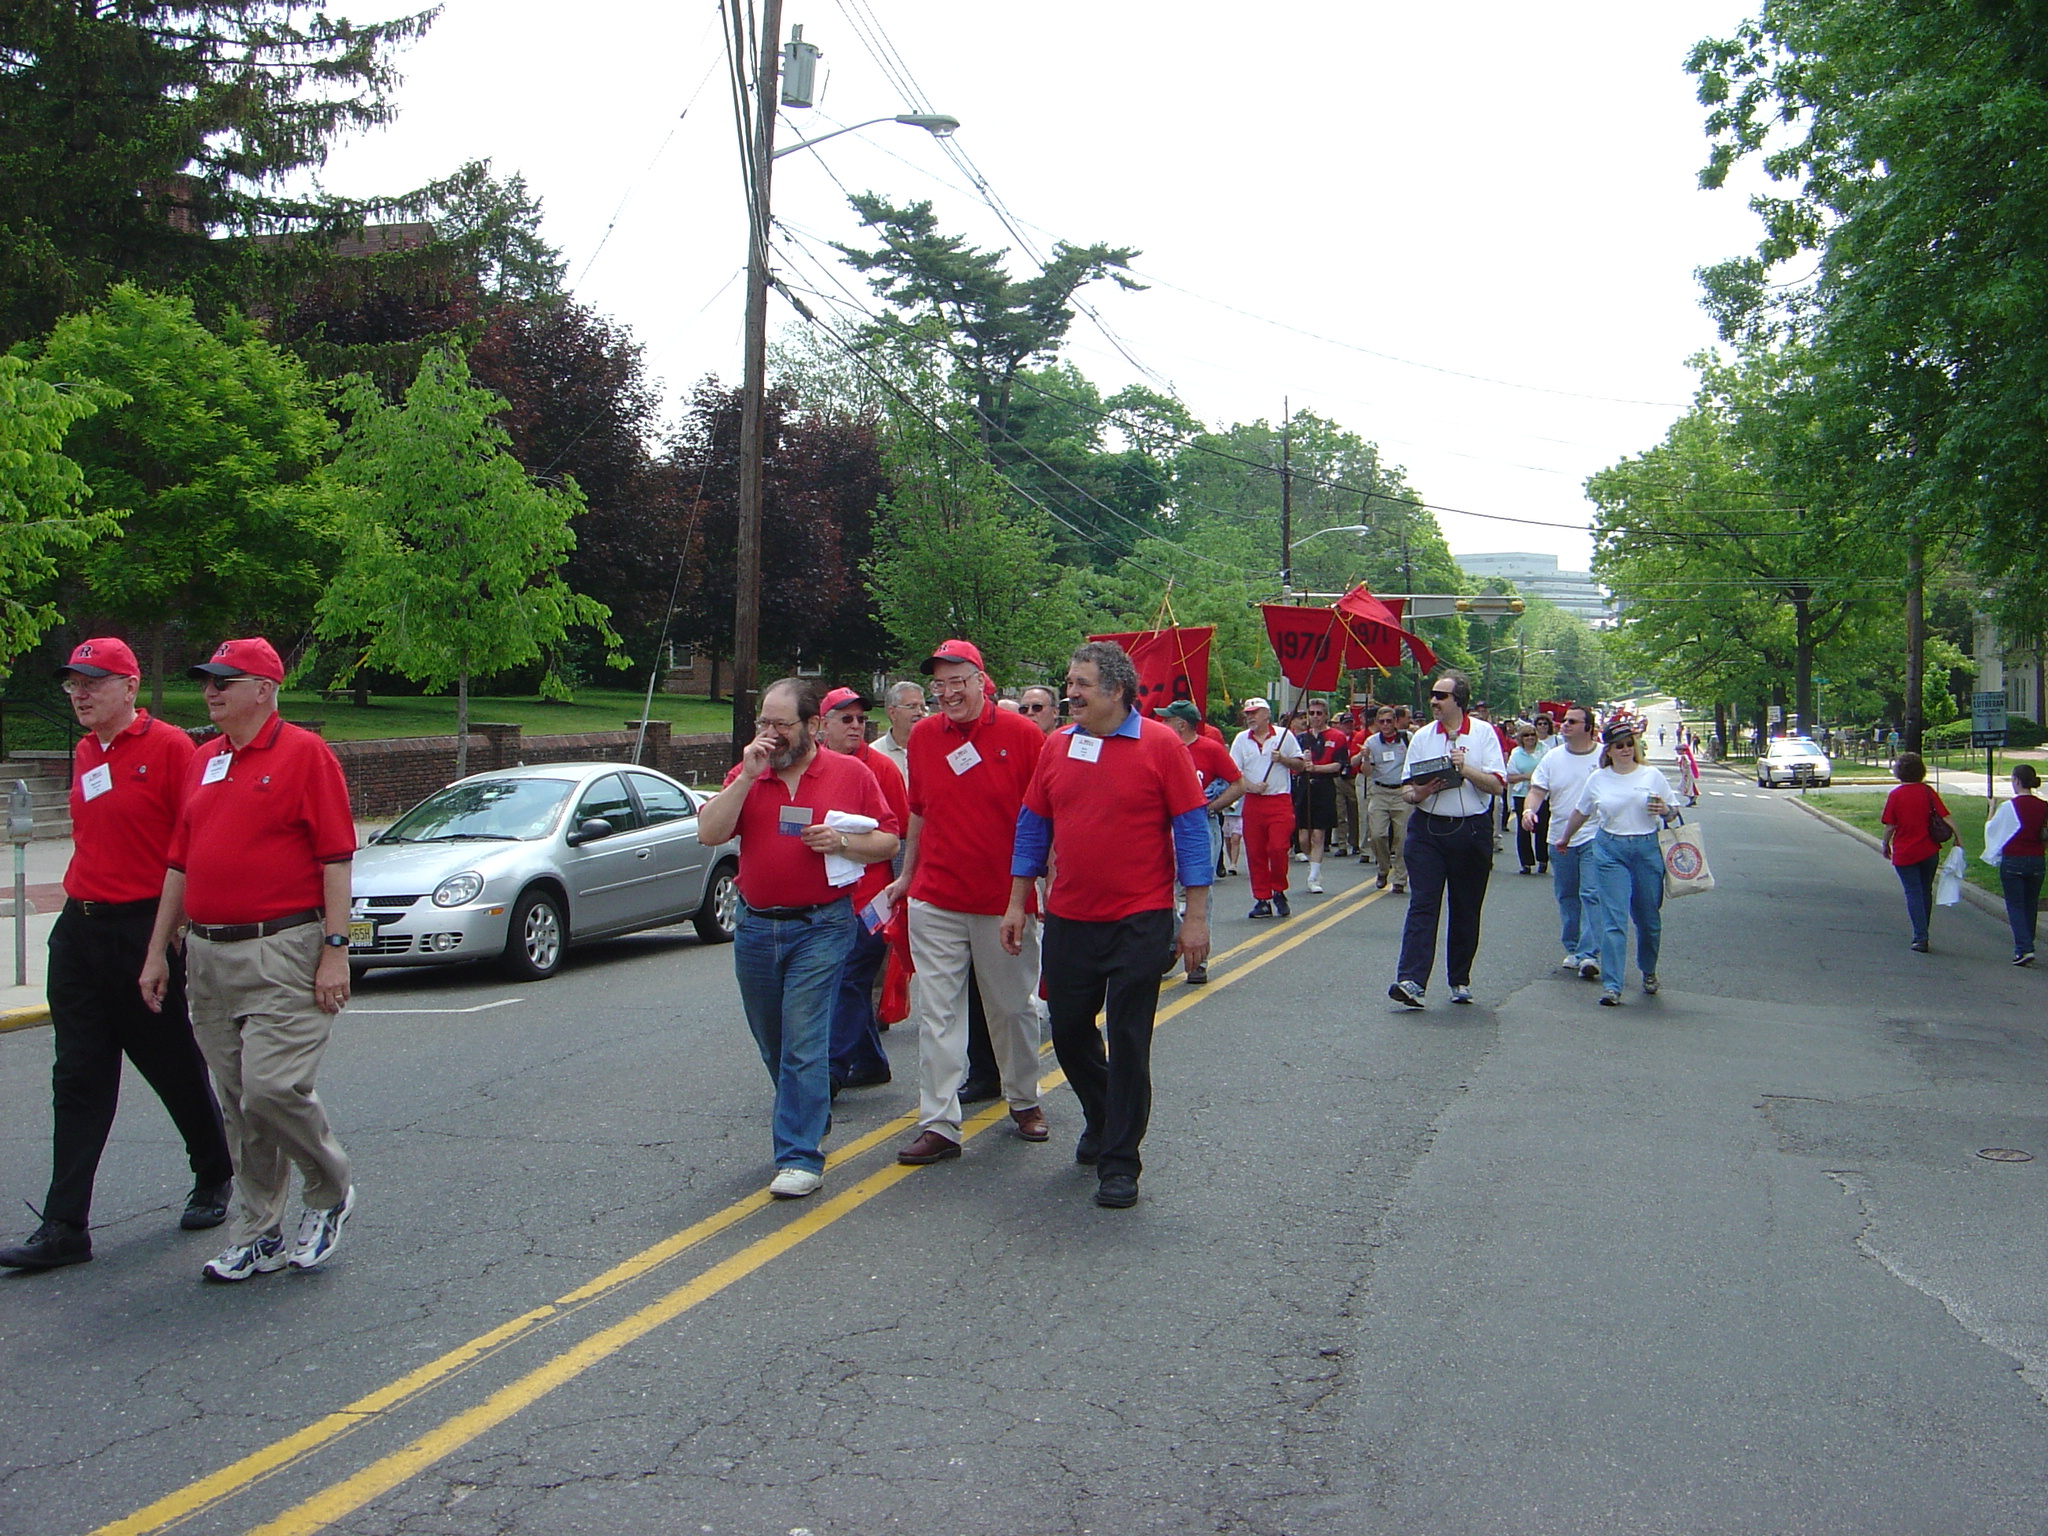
(102, 656)
(241, 658)
(839, 698)
(953, 650)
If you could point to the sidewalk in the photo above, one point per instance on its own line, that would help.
(26, 1007)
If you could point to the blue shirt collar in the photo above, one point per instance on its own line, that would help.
(1128, 728)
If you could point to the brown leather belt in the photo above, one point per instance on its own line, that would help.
(235, 933)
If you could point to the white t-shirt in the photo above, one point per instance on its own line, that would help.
(1262, 765)
(1619, 801)
(1482, 751)
(1562, 776)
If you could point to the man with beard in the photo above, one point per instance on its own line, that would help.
(787, 801)
(858, 1060)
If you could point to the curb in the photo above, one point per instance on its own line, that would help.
(1982, 900)
(32, 1017)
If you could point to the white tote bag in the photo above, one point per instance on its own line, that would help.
(1948, 880)
(1685, 860)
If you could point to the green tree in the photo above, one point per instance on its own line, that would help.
(41, 492)
(210, 453)
(957, 553)
(452, 553)
(133, 134)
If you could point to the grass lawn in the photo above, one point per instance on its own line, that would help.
(1966, 812)
(595, 709)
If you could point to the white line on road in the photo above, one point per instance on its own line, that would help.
(503, 1002)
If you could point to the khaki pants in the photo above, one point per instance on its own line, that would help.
(1386, 823)
(942, 945)
(262, 1035)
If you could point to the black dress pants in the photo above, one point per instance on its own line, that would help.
(1112, 969)
(97, 1016)
(981, 1050)
(1448, 858)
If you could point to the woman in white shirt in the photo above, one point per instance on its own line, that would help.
(1627, 801)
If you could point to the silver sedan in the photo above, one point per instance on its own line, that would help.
(522, 863)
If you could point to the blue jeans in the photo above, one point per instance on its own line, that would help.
(2019, 879)
(1578, 899)
(1918, 879)
(1629, 872)
(856, 1036)
(788, 970)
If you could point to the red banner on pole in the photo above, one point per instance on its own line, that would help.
(1172, 664)
(1316, 646)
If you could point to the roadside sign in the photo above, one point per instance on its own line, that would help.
(1987, 718)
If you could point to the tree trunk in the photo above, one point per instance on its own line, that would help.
(462, 726)
(156, 670)
(1721, 731)
(1802, 661)
(713, 697)
(1911, 720)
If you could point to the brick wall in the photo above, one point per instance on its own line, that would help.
(385, 777)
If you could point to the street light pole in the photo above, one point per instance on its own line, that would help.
(746, 617)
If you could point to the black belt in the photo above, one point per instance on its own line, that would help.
(235, 933)
(792, 914)
(108, 908)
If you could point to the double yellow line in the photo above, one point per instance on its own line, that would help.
(343, 1498)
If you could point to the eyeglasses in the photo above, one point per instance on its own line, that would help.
(1036, 709)
(1623, 741)
(224, 682)
(76, 685)
(854, 719)
(1436, 695)
(776, 725)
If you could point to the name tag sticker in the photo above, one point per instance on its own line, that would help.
(216, 769)
(790, 820)
(960, 759)
(1084, 748)
(97, 782)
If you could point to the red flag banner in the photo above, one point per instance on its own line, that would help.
(1172, 664)
(1316, 646)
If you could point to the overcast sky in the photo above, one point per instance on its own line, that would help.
(1467, 233)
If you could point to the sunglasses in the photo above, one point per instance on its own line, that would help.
(1623, 741)
(1036, 709)
(1435, 695)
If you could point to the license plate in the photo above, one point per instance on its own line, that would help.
(362, 933)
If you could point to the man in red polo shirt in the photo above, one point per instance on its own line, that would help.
(968, 767)
(126, 787)
(1115, 801)
(858, 1060)
(807, 819)
(259, 873)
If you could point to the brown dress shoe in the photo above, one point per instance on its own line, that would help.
(930, 1147)
(1031, 1123)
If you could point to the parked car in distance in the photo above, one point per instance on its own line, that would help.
(1793, 760)
(520, 864)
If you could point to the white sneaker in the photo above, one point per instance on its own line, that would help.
(795, 1183)
(320, 1233)
(1568, 963)
(1315, 887)
(264, 1256)
(1590, 969)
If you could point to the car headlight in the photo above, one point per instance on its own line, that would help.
(459, 889)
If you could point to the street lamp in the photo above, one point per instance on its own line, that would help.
(1287, 570)
(746, 629)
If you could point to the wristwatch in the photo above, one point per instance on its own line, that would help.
(335, 940)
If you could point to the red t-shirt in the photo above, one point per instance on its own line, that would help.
(889, 778)
(1909, 808)
(254, 835)
(1210, 733)
(776, 869)
(1112, 821)
(1213, 762)
(969, 828)
(121, 819)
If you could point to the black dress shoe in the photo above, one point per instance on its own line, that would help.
(207, 1206)
(1119, 1191)
(980, 1093)
(866, 1080)
(55, 1243)
(1087, 1149)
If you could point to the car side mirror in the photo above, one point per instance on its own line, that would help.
(589, 830)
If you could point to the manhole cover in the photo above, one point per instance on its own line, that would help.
(2005, 1155)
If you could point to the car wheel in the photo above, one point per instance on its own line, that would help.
(719, 918)
(537, 937)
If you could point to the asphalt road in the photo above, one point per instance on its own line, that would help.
(1721, 1260)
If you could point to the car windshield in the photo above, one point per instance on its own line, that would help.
(495, 810)
(1794, 746)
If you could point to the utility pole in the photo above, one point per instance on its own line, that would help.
(1286, 505)
(1916, 635)
(746, 626)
